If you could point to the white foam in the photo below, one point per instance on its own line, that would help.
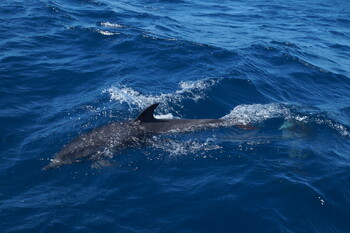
(106, 33)
(341, 129)
(256, 113)
(111, 25)
(336, 126)
(199, 86)
(165, 116)
(196, 89)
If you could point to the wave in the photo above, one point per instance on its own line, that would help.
(256, 113)
(242, 114)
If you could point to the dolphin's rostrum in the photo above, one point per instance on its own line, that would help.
(119, 135)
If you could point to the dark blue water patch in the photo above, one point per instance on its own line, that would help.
(234, 92)
(342, 34)
(314, 79)
(193, 51)
(345, 111)
(341, 48)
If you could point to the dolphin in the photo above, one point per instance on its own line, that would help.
(120, 135)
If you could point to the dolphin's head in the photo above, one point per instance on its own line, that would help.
(53, 164)
(59, 160)
(71, 153)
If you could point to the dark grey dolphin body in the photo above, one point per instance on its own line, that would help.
(118, 135)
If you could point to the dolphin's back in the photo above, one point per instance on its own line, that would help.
(149, 123)
(180, 125)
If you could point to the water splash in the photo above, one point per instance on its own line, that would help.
(174, 147)
(111, 25)
(256, 113)
(193, 90)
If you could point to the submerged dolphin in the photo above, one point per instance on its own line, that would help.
(119, 135)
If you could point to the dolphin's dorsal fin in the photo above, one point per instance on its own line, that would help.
(147, 114)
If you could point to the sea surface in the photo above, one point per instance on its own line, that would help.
(282, 68)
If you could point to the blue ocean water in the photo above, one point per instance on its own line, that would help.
(67, 67)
